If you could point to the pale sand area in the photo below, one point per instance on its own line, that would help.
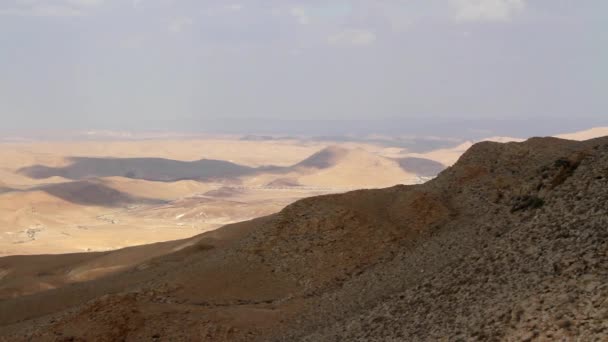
(52, 203)
(68, 207)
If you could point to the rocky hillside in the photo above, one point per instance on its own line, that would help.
(508, 244)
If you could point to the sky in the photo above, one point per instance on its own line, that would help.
(127, 64)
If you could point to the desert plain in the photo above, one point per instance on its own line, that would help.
(98, 191)
(92, 194)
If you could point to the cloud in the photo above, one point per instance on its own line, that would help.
(486, 10)
(353, 37)
(84, 3)
(177, 25)
(223, 9)
(320, 11)
(49, 8)
(234, 7)
(43, 11)
(131, 41)
(300, 14)
(398, 21)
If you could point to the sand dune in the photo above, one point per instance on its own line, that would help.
(420, 166)
(331, 167)
(326, 158)
(152, 169)
(94, 193)
(339, 168)
(88, 193)
(100, 213)
(586, 134)
(156, 190)
(353, 168)
(135, 192)
(248, 153)
(284, 182)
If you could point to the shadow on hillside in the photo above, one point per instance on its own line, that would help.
(168, 170)
(89, 193)
(151, 169)
(4, 189)
(421, 166)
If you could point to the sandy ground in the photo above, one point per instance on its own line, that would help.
(71, 209)
(83, 196)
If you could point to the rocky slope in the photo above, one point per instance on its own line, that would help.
(508, 244)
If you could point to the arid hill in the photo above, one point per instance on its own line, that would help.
(342, 167)
(326, 158)
(331, 166)
(153, 169)
(508, 244)
(51, 202)
(591, 133)
(420, 166)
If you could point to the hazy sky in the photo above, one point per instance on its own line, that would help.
(117, 63)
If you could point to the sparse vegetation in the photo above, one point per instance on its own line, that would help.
(566, 168)
(527, 202)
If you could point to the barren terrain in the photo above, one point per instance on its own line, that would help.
(79, 196)
(99, 195)
(507, 244)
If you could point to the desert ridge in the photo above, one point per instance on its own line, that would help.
(492, 238)
(59, 197)
(55, 200)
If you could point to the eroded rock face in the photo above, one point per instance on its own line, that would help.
(543, 277)
(508, 244)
